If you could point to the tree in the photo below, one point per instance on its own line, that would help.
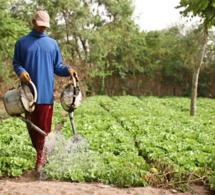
(172, 65)
(89, 32)
(11, 30)
(205, 9)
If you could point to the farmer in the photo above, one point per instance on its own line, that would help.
(37, 58)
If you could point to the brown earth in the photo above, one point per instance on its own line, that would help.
(28, 184)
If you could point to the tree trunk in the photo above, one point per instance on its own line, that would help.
(194, 90)
(196, 72)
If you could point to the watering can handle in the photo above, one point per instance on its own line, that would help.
(74, 81)
(35, 91)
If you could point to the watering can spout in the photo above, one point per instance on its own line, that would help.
(28, 122)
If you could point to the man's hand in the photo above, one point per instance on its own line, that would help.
(25, 77)
(73, 73)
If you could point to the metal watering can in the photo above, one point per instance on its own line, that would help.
(21, 100)
(70, 99)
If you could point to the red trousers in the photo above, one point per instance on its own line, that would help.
(41, 117)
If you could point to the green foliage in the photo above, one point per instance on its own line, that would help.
(211, 178)
(203, 8)
(132, 142)
(212, 182)
(11, 30)
(16, 152)
(101, 39)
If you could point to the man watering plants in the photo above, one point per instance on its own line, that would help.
(37, 58)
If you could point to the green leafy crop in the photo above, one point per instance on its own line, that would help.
(132, 141)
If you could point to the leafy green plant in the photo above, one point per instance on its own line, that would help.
(16, 152)
(131, 141)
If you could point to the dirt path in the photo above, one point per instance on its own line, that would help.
(28, 184)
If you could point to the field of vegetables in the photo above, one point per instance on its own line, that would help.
(132, 141)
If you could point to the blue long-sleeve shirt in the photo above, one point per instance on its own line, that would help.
(40, 56)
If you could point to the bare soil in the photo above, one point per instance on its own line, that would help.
(29, 184)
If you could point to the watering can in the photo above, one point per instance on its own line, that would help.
(20, 100)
